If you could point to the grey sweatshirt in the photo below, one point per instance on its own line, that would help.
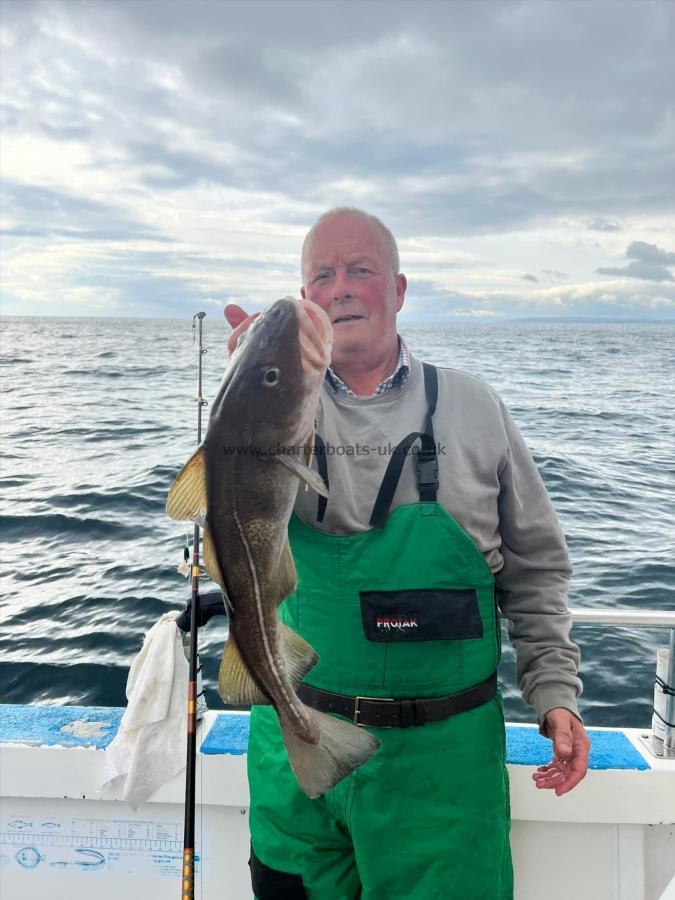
(488, 483)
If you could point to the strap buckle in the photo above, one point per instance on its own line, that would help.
(427, 471)
(357, 709)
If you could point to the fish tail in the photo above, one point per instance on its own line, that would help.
(341, 748)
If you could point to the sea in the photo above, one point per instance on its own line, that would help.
(98, 415)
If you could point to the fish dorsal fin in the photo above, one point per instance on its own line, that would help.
(211, 563)
(235, 685)
(187, 495)
(304, 473)
(299, 656)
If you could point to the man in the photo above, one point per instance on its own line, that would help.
(397, 578)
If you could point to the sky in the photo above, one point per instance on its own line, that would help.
(158, 157)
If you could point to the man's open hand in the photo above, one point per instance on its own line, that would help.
(239, 321)
(570, 752)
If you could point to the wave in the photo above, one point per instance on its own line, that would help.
(15, 480)
(113, 500)
(94, 373)
(54, 525)
(127, 372)
(70, 684)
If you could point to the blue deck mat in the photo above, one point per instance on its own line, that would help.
(228, 734)
(609, 749)
(66, 726)
(524, 746)
(59, 725)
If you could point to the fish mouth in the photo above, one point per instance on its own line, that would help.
(316, 337)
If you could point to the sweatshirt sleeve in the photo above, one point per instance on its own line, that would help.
(533, 582)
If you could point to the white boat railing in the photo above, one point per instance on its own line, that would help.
(647, 618)
(643, 618)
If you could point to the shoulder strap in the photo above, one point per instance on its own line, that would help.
(322, 465)
(426, 461)
(431, 390)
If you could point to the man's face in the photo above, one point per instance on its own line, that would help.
(348, 273)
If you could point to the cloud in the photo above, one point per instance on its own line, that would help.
(187, 146)
(59, 213)
(648, 262)
(638, 270)
(650, 253)
(608, 298)
(616, 297)
(597, 223)
(553, 274)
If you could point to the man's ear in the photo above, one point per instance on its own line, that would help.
(401, 285)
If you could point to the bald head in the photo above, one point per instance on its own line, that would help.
(388, 239)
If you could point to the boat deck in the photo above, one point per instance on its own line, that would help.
(613, 838)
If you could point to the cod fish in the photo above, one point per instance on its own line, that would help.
(242, 483)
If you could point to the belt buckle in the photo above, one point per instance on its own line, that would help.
(357, 709)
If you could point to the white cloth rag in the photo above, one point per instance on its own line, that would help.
(150, 746)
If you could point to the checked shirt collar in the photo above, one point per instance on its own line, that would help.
(398, 377)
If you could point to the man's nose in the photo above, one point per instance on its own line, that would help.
(342, 286)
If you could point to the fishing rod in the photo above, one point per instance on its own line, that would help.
(188, 877)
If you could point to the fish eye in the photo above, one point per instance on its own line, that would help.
(271, 376)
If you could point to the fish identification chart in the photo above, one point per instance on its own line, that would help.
(41, 844)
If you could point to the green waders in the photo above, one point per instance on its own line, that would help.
(403, 611)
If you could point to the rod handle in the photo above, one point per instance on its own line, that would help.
(188, 882)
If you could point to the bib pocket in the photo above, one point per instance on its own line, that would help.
(426, 614)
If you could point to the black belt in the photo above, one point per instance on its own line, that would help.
(382, 712)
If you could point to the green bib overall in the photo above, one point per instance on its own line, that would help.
(402, 611)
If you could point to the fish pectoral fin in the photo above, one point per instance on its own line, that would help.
(187, 495)
(288, 578)
(235, 684)
(299, 656)
(304, 473)
(211, 563)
